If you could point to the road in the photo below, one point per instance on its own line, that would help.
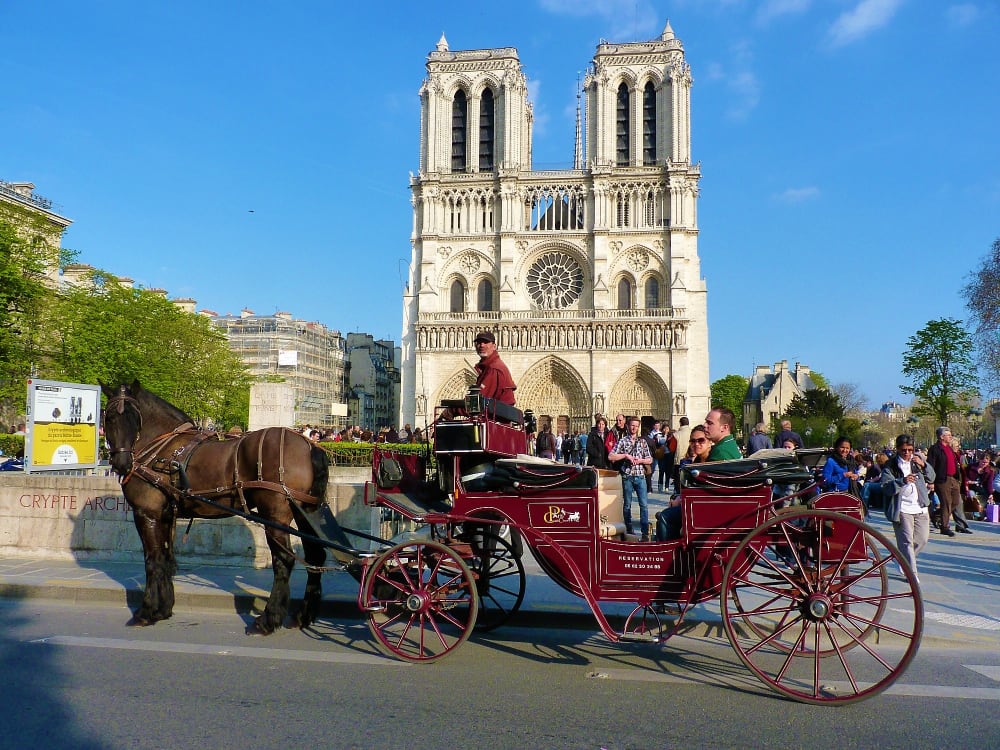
(75, 677)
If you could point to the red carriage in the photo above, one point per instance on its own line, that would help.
(817, 604)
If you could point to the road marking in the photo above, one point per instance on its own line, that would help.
(208, 649)
(993, 672)
(913, 691)
(965, 621)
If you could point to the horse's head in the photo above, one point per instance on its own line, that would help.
(122, 424)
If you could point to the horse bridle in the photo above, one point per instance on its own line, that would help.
(119, 402)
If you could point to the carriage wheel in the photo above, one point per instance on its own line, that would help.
(500, 580)
(775, 562)
(801, 595)
(421, 601)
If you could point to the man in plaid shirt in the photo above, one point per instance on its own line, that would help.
(633, 451)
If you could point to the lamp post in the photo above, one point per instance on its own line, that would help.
(809, 432)
(974, 417)
(914, 422)
(866, 433)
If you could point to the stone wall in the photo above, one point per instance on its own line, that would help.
(68, 517)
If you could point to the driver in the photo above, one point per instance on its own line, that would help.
(494, 379)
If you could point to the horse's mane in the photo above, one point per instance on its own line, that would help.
(171, 411)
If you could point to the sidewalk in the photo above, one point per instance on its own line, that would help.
(960, 582)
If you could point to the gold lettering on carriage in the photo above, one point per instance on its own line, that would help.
(555, 514)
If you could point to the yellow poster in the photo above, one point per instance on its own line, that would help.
(59, 444)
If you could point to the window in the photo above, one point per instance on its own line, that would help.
(457, 297)
(484, 296)
(652, 293)
(649, 124)
(486, 129)
(624, 294)
(459, 116)
(622, 127)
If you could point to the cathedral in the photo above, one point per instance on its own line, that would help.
(588, 277)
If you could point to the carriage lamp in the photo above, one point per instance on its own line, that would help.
(473, 400)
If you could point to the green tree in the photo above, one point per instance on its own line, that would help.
(730, 392)
(26, 256)
(982, 297)
(106, 332)
(816, 403)
(939, 362)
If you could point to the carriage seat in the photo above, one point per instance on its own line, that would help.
(611, 519)
(771, 467)
(524, 474)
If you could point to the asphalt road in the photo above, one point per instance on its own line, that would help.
(75, 677)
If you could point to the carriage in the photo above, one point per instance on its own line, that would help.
(820, 606)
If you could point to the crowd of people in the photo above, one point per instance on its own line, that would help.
(355, 434)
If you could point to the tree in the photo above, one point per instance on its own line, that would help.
(816, 403)
(26, 255)
(730, 392)
(851, 397)
(982, 297)
(940, 364)
(105, 332)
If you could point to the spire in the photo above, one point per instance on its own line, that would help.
(442, 45)
(578, 147)
(666, 36)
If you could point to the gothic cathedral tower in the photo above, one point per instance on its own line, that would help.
(589, 277)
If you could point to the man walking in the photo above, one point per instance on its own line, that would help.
(948, 478)
(633, 452)
(787, 433)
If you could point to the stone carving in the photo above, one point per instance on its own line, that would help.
(470, 263)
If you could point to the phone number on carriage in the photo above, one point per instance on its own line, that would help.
(642, 562)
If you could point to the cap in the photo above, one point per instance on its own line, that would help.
(486, 336)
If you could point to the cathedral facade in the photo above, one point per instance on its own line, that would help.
(589, 277)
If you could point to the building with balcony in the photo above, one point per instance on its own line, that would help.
(589, 277)
(37, 220)
(308, 356)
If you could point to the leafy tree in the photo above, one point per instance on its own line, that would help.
(730, 392)
(819, 380)
(939, 362)
(816, 403)
(982, 297)
(26, 256)
(106, 332)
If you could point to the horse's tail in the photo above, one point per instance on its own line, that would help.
(321, 472)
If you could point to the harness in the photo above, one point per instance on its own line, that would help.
(164, 462)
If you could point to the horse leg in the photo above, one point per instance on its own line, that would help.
(315, 555)
(156, 530)
(282, 561)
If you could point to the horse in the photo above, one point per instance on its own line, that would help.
(166, 467)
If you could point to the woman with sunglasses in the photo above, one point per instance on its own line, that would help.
(668, 520)
(905, 477)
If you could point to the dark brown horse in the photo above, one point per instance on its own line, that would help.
(166, 465)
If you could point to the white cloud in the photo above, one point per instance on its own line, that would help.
(770, 9)
(962, 15)
(866, 17)
(798, 195)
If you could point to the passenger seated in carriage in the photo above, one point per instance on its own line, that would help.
(668, 520)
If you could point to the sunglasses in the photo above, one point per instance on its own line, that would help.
(698, 440)
(906, 450)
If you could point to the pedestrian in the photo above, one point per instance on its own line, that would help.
(786, 433)
(948, 483)
(905, 480)
(633, 453)
(597, 450)
(759, 440)
(839, 472)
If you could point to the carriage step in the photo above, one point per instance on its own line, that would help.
(638, 638)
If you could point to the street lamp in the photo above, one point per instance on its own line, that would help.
(913, 421)
(809, 432)
(974, 417)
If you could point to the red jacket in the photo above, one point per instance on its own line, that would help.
(494, 379)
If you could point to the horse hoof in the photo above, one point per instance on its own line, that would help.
(139, 622)
(255, 628)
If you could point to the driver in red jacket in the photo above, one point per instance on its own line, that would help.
(494, 379)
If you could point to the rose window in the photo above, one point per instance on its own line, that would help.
(554, 281)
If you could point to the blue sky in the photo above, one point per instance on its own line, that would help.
(257, 154)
